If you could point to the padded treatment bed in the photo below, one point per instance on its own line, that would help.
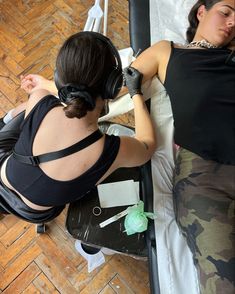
(170, 261)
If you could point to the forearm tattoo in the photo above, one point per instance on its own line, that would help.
(145, 145)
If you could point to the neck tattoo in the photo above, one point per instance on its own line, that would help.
(203, 44)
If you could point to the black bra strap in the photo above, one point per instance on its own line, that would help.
(36, 160)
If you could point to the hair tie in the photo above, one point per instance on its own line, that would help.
(70, 92)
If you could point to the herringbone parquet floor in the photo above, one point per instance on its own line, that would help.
(31, 31)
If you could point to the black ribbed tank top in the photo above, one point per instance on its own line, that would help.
(201, 87)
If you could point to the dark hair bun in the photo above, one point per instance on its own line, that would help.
(70, 92)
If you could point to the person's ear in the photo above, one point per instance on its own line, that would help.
(201, 12)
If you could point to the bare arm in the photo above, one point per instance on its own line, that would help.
(151, 62)
(34, 98)
(31, 83)
(136, 151)
(147, 62)
(34, 82)
(36, 87)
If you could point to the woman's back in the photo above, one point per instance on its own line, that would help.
(65, 132)
(66, 179)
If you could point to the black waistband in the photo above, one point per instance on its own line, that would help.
(13, 204)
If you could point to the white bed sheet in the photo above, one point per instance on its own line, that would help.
(177, 274)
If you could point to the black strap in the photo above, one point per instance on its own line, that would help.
(36, 160)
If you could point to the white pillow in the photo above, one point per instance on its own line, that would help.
(169, 19)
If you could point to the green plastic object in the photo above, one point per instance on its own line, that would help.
(136, 221)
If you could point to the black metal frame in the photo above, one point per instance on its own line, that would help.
(140, 39)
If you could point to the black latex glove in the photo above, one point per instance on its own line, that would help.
(133, 80)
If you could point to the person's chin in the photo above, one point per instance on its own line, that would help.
(228, 43)
(224, 39)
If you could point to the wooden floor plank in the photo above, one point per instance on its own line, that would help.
(43, 285)
(107, 290)
(138, 266)
(14, 232)
(54, 275)
(9, 49)
(39, 52)
(35, 13)
(19, 265)
(119, 285)
(84, 278)
(3, 230)
(18, 246)
(10, 63)
(66, 245)
(23, 280)
(133, 282)
(11, 36)
(58, 258)
(12, 10)
(102, 278)
(31, 289)
(9, 221)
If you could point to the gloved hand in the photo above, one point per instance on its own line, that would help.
(133, 79)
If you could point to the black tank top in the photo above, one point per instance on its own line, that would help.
(34, 184)
(201, 87)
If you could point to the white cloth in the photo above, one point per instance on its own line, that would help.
(169, 19)
(175, 263)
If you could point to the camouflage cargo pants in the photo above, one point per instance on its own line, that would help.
(204, 193)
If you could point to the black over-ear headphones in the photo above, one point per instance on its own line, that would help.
(114, 82)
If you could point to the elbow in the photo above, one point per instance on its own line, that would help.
(150, 145)
(150, 148)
